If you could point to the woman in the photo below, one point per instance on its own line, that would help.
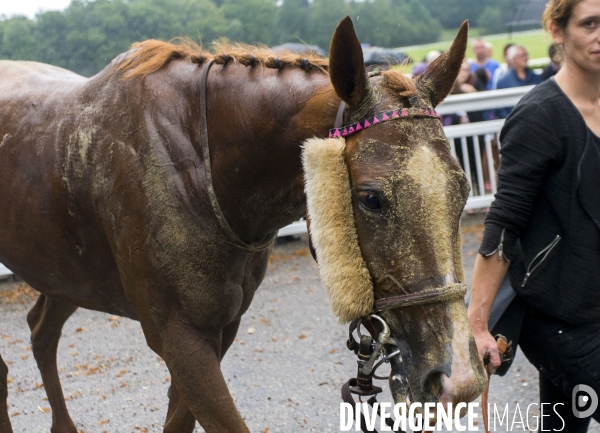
(544, 226)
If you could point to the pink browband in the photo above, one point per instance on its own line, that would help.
(344, 131)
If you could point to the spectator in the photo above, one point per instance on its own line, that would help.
(482, 60)
(489, 49)
(431, 56)
(420, 67)
(555, 55)
(519, 75)
(463, 84)
(504, 68)
(466, 82)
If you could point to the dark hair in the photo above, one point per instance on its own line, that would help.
(482, 75)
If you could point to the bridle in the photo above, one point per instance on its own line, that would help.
(381, 347)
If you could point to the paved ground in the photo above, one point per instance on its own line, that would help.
(285, 369)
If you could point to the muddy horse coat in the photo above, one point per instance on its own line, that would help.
(153, 190)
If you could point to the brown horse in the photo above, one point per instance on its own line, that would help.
(153, 191)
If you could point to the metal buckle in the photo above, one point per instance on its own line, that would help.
(369, 352)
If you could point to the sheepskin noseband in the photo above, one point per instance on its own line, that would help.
(333, 233)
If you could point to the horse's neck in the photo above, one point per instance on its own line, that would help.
(257, 122)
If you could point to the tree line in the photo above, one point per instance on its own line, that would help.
(88, 34)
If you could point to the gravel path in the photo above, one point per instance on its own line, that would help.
(285, 368)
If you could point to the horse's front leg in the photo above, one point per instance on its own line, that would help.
(179, 418)
(193, 357)
(46, 320)
(4, 420)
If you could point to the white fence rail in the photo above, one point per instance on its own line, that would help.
(483, 100)
(475, 145)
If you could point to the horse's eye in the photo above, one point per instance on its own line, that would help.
(369, 200)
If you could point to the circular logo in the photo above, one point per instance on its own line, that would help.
(585, 401)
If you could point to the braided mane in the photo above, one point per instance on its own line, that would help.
(149, 56)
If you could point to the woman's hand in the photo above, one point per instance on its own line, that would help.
(488, 349)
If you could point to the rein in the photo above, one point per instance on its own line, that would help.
(205, 151)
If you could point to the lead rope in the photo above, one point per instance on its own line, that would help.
(205, 151)
(505, 349)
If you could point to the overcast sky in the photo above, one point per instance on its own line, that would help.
(31, 7)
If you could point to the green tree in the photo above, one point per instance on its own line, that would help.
(492, 20)
(257, 19)
(393, 23)
(17, 39)
(451, 13)
(323, 18)
(292, 21)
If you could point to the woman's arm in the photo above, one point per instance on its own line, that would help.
(487, 277)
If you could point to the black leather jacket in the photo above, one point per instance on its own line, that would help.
(546, 215)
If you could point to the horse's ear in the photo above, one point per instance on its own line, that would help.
(438, 79)
(346, 64)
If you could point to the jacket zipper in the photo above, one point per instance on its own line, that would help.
(545, 251)
(500, 248)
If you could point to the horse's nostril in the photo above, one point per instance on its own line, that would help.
(432, 386)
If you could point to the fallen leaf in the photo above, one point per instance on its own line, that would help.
(44, 409)
(104, 421)
(301, 336)
(79, 330)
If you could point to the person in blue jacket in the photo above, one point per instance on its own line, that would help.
(519, 75)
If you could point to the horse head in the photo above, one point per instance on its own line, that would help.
(385, 197)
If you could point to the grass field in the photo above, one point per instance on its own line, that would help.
(536, 42)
